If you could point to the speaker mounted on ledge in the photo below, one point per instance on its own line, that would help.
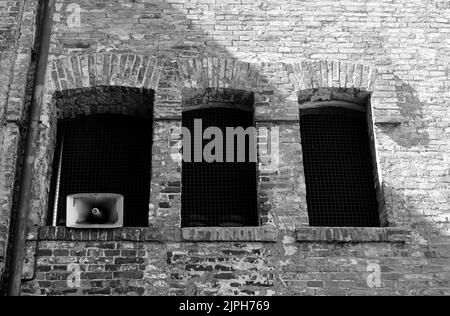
(95, 210)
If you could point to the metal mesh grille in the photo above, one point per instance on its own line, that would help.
(219, 194)
(338, 169)
(106, 154)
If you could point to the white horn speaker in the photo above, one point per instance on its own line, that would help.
(95, 210)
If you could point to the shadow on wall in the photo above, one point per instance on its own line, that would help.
(412, 132)
(165, 28)
(431, 242)
(160, 28)
(427, 226)
(431, 245)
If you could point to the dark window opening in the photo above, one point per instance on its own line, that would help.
(338, 168)
(103, 154)
(219, 194)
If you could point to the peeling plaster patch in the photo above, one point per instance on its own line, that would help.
(225, 289)
(161, 284)
(149, 268)
(230, 287)
(288, 245)
(371, 253)
(285, 222)
(174, 246)
(419, 239)
(251, 247)
(290, 250)
(259, 265)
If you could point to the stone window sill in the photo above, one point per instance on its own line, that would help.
(245, 234)
(241, 234)
(210, 234)
(49, 233)
(353, 235)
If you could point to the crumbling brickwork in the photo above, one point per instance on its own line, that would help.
(283, 52)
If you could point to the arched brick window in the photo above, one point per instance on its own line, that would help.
(103, 145)
(219, 194)
(339, 167)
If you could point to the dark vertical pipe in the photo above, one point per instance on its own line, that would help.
(25, 193)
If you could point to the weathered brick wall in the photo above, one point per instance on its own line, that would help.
(10, 17)
(407, 41)
(17, 26)
(9, 11)
(138, 263)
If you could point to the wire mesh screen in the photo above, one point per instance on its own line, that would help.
(105, 154)
(338, 169)
(219, 194)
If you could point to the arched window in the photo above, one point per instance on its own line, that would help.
(339, 168)
(107, 153)
(222, 193)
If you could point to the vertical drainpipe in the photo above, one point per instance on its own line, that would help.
(25, 192)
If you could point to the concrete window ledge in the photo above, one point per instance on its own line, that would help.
(244, 234)
(241, 234)
(211, 234)
(132, 234)
(353, 235)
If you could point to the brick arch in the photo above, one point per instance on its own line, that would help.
(221, 81)
(333, 81)
(326, 80)
(326, 74)
(117, 100)
(109, 69)
(100, 79)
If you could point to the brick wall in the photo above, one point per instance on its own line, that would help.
(404, 43)
(17, 24)
(143, 262)
(10, 16)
